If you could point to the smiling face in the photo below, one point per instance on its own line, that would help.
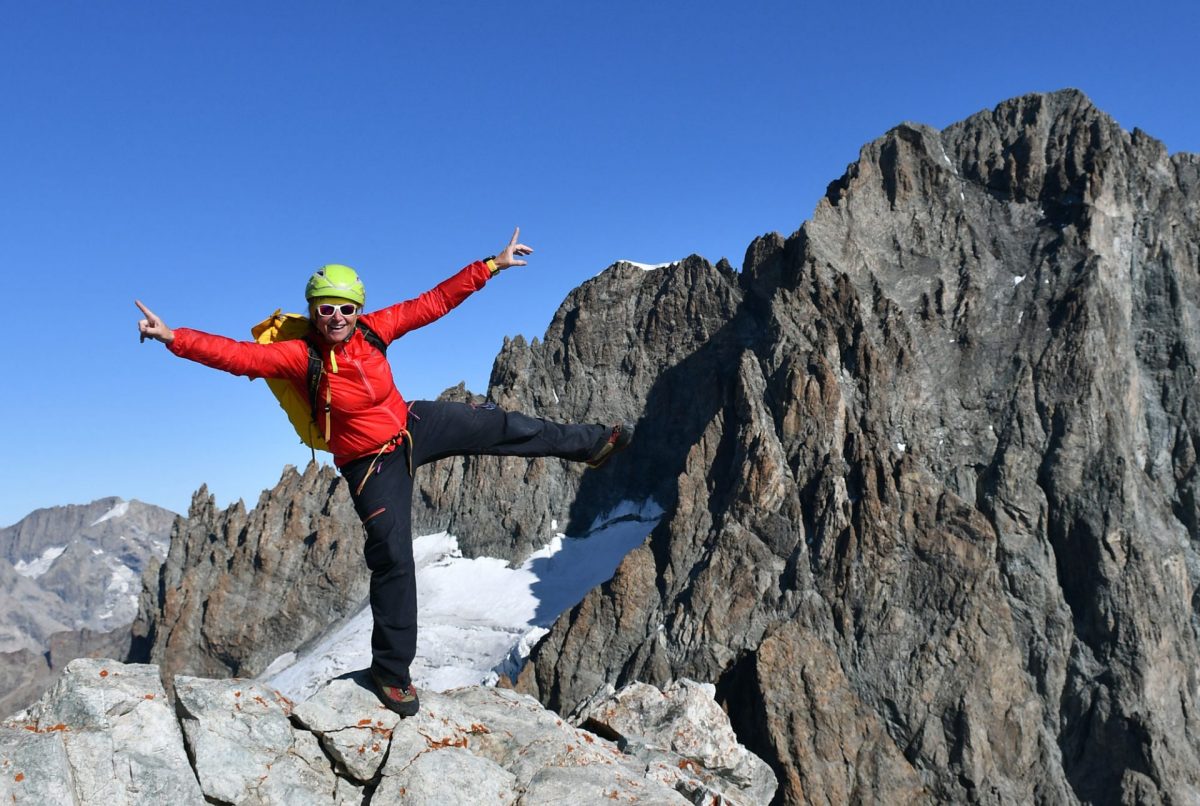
(337, 327)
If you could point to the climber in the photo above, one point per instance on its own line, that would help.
(378, 440)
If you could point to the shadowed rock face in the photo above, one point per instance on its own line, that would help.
(932, 514)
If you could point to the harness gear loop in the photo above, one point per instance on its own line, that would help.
(396, 441)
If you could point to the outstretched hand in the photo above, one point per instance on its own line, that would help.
(152, 326)
(509, 255)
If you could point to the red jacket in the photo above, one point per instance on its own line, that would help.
(368, 410)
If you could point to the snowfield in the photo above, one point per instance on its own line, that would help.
(479, 617)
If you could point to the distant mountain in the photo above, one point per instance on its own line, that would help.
(70, 577)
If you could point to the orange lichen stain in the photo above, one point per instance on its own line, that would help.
(438, 745)
(104, 672)
(588, 739)
(19, 777)
(149, 696)
(477, 729)
(361, 749)
(60, 727)
(570, 748)
(375, 747)
(688, 764)
(362, 722)
(237, 693)
(261, 701)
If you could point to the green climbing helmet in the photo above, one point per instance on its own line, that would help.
(335, 280)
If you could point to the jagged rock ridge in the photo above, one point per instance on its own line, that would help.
(240, 588)
(936, 538)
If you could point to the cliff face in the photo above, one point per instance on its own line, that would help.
(933, 518)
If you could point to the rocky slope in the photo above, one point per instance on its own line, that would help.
(933, 527)
(107, 730)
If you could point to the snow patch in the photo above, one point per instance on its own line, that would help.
(627, 510)
(1018, 279)
(122, 580)
(116, 512)
(478, 618)
(35, 568)
(646, 266)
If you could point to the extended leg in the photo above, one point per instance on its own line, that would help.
(442, 429)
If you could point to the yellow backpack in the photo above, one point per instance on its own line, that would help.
(302, 413)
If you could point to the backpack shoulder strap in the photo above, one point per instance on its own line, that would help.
(315, 370)
(371, 336)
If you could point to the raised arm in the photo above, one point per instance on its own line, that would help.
(284, 359)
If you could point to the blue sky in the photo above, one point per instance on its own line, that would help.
(206, 157)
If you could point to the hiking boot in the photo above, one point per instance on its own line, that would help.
(399, 698)
(617, 440)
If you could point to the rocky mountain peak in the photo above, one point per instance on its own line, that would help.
(946, 487)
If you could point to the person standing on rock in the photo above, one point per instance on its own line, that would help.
(378, 440)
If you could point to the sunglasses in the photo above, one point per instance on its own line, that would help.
(346, 309)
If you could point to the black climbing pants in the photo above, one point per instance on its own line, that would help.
(438, 429)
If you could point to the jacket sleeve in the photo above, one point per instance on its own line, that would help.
(282, 359)
(393, 322)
